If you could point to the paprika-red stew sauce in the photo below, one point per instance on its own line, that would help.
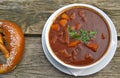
(79, 36)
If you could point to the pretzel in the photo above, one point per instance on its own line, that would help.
(11, 44)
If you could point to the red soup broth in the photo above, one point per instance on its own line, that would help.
(79, 36)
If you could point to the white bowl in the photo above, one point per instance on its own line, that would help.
(61, 10)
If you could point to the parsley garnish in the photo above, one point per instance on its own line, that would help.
(82, 35)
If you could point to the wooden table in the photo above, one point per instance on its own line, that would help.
(31, 16)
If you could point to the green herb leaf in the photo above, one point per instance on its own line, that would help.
(76, 36)
(83, 35)
(72, 33)
(85, 39)
(93, 33)
(83, 32)
(69, 29)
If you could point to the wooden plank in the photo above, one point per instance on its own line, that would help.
(34, 64)
(31, 15)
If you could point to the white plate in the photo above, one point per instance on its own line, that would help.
(73, 71)
(87, 71)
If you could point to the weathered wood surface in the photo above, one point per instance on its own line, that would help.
(35, 65)
(31, 15)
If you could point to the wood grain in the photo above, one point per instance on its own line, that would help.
(31, 15)
(35, 65)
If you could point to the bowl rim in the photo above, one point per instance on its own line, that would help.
(59, 11)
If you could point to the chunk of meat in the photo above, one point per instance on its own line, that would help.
(60, 33)
(78, 26)
(54, 39)
(88, 56)
(63, 22)
(74, 53)
(84, 19)
(55, 27)
(102, 36)
(92, 46)
(64, 53)
(66, 35)
(78, 49)
(82, 15)
(74, 43)
(72, 16)
(61, 40)
(64, 16)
